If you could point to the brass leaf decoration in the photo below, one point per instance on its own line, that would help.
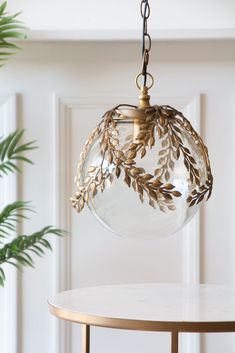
(163, 123)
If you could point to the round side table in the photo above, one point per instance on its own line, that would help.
(171, 308)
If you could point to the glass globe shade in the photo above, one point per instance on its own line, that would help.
(182, 172)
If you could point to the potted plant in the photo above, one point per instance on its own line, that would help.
(18, 250)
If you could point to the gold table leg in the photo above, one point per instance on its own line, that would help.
(85, 339)
(174, 342)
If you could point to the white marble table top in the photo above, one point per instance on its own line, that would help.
(150, 306)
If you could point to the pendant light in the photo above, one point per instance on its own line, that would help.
(144, 170)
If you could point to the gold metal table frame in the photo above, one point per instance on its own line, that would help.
(200, 309)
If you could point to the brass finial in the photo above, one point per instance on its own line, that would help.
(144, 98)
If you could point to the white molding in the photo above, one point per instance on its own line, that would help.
(191, 274)
(191, 252)
(233, 196)
(62, 181)
(61, 257)
(61, 188)
(8, 194)
(191, 232)
(191, 240)
(130, 35)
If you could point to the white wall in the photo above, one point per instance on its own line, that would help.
(106, 71)
(124, 15)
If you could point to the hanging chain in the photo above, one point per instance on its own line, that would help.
(146, 39)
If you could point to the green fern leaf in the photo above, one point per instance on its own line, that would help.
(17, 251)
(10, 29)
(11, 151)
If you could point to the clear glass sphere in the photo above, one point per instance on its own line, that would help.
(119, 208)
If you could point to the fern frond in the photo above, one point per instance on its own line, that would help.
(11, 151)
(10, 29)
(19, 250)
(11, 215)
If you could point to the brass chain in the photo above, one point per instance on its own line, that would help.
(146, 39)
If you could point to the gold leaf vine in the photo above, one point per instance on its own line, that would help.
(167, 124)
(200, 191)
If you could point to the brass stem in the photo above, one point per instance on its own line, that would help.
(174, 342)
(85, 338)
